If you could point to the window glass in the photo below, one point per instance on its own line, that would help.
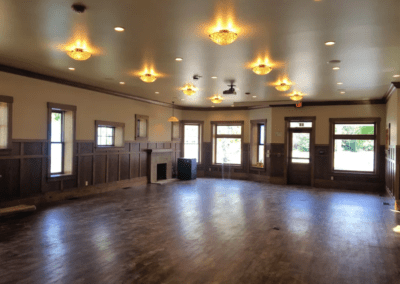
(3, 125)
(354, 129)
(300, 148)
(105, 136)
(229, 130)
(56, 126)
(262, 134)
(354, 155)
(56, 158)
(300, 124)
(261, 153)
(191, 142)
(229, 150)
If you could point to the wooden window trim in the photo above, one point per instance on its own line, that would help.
(376, 137)
(200, 123)
(146, 117)
(214, 137)
(110, 124)
(257, 123)
(9, 101)
(63, 108)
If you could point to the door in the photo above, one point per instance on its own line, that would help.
(299, 156)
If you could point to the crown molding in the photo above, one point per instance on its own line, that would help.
(393, 86)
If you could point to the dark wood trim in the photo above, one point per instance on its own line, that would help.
(335, 103)
(201, 137)
(213, 137)
(110, 123)
(212, 108)
(301, 118)
(57, 106)
(137, 117)
(375, 137)
(6, 99)
(256, 123)
(393, 86)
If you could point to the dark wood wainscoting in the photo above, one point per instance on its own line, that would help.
(24, 171)
(391, 179)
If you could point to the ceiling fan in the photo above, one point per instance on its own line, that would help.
(231, 90)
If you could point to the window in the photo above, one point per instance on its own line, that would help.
(109, 134)
(257, 143)
(142, 127)
(355, 145)
(106, 135)
(61, 139)
(5, 122)
(192, 140)
(227, 140)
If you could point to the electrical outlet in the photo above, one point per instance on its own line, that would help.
(86, 183)
(331, 177)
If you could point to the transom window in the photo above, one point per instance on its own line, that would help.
(355, 145)
(106, 135)
(227, 142)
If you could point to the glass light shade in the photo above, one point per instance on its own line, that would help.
(262, 69)
(173, 119)
(283, 87)
(296, 97)
(189, 89)
(223, 37)
(217, 99)
(148, 78)
(79, 54)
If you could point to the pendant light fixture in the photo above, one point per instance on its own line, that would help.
(223, 37)
(296, 96)
(173, 118)
(262, 69)
(79, 54)
(189, 89)
(283, 85)
(216, 99)
(148, 78)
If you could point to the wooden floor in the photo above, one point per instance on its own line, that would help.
(205, 231)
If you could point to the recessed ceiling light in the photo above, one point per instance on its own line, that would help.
(122, 83)
(254, 96)
(178, 59)
(119, 29)
(396, 76)
(71, 68)
(339, 83)
(214, 77)
(336, 68)
(157, 93)
(330, 43)
(343, 92)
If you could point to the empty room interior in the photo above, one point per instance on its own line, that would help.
(218, 141)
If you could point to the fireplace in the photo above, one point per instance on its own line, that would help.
(161, 171)
(159, 164)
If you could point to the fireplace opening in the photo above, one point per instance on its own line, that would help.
(161, 171)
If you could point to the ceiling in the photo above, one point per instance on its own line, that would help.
(291, 33)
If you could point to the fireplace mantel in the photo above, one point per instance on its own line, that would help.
(158, 156)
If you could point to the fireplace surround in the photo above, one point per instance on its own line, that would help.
(159, 159)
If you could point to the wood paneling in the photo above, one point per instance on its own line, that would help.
(390, 170)
(113, 168)
(31, 176)
(135, 165)
(100, 164)
(32, 148)
(9, 183)
(85, 170)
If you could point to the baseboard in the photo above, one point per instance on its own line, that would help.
(54, 196)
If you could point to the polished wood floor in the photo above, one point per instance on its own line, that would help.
(205, 231)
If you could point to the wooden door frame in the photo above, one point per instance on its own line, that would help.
(312, 145)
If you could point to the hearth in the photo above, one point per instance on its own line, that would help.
(161, 171)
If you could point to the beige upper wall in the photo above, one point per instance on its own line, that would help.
(392, 108)
(323, 113)
(30, 109)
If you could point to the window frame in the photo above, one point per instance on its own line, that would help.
(56, 107)
(62, 142)
(115, 125)
(376, 137)
(200, 123)
(113, 136)
(145, 117)
(9, 101)
(215, 136)
(256, 124)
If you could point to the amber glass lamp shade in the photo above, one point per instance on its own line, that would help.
(79, 54)
(223, 37)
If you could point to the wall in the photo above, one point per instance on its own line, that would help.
(30, 109)
(24, 170)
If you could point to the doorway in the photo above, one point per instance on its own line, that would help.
(299, 151)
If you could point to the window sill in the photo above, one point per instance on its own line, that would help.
(56, 177)
(349, 173)
(233, 166)
(254, 168)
